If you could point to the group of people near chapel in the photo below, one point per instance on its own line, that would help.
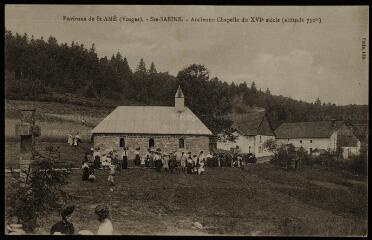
(66, 227)
(171, 161)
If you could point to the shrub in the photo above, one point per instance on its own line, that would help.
(40, 190)
(284, 156)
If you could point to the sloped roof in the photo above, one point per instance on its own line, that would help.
(360, 131)
(151, 120)
(248, 123)
(316, 129)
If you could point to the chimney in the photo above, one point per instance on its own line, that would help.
(179, 100)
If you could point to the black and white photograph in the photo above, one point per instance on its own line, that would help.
(186, 120)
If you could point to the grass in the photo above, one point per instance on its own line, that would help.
(225, 201)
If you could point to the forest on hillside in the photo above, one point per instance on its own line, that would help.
(37, 67)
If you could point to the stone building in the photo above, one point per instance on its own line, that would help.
(251, 130)
(331, 136)
(168, 128)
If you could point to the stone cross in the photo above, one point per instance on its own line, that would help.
(27, 130)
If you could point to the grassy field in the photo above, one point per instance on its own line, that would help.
(56, 120)
(257, 201)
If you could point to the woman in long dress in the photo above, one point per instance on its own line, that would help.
(201, 169)
(165, 161)
(103, 216)
(125, 159)
(64, 227)
(70, 140)
(183, 162)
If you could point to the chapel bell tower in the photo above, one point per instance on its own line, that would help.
(179, 100)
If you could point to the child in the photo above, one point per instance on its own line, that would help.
(111, 175)
(91, 174)
(201, 169)
(85, 168)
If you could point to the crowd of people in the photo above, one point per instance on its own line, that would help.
(170, 162)
(66, 227)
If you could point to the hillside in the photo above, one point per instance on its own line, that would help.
(73, 73)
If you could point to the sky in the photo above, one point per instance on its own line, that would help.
(298, 60)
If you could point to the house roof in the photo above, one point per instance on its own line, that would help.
(248, 123)
(360, 131)
(151, 120)
(316, 129)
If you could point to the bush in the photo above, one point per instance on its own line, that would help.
(40, 190)
(284, 156)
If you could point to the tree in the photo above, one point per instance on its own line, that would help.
(253, 87)
(318, 102)
(40, 191)
(141, 68)
(152, 69)
(268, 91)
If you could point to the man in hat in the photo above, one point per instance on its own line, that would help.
(103, 216)
(65, 226)
(172, 162)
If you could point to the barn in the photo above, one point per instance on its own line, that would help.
(251, 130)
(170, 128)
(332, 136)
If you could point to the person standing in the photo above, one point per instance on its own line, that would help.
(125, 159)
(70, 139)
(103, 216)
(189, 164)
(91, 174)
(183, 162)
(165, 161)
(172, 162)
(137, 159)
(111, 175)
(195, 163)
(97, 159)
(158, 161)
(65, 226)
(201, 169)
(76, 139)
(85, 168)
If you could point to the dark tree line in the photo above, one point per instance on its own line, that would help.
(35, 67)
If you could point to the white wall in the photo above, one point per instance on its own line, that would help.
(248, 144)
(313, 143)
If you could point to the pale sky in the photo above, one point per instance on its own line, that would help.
(302, 61)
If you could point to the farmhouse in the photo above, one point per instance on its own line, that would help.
(174, 128)
(361, 132)
(332, 136)
(251, 130)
